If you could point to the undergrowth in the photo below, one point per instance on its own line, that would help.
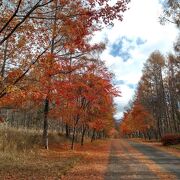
(22, 155)
(21, 140)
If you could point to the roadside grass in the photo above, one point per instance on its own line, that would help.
(22, 140)
(177, 146)
(22, 155)
(36, 166)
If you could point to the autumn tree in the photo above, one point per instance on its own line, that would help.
(44, 35)
(86, 17)
(155, 110)
(171, 12)
(137, 122)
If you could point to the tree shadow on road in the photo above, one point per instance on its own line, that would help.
(122, 165)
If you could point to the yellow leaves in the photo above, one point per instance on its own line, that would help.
(12, 88)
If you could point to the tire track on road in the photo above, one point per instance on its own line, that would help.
(124, 165)
(150, 159)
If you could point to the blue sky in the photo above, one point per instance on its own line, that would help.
(130, 43)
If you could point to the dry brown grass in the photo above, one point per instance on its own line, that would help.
(22, 156)
(36, 166)
(22, 140)
(177, 146)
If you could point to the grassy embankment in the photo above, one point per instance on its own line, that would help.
(22, 155)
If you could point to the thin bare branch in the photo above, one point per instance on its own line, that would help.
(12, 17)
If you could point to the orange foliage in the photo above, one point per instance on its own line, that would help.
(47, 55)
(138, 119)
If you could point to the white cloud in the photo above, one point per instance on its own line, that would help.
(141, 21)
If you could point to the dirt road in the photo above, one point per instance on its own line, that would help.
(131, 160)
(125, 160)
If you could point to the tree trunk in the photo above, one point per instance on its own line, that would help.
(4, 59)
(46, 107)
(93, 136)
(73, 138)
(67, 130)
(74, 132)
(148, 135)
(82, 136)
(45, 129)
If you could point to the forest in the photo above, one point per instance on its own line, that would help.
(154, 111)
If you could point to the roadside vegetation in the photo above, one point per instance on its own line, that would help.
(22, 155)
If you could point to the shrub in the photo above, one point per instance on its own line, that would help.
(170, 139)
